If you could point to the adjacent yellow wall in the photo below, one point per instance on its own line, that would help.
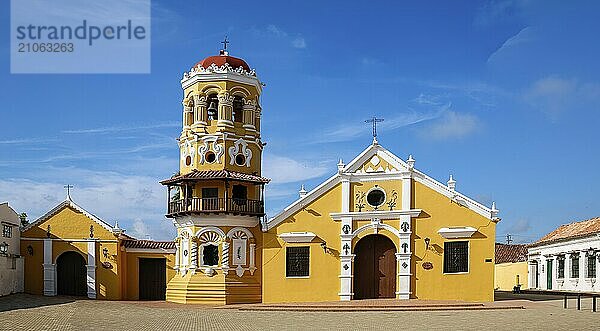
(439, 212)
(506, 275)
(323, 283)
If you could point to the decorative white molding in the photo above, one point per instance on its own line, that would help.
(216, 220)
(297, 237)
(457, 232)
(380, 214)
(240, 147)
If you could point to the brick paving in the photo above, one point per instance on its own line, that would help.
(27, 312)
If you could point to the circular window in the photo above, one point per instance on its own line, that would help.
(376, 197)
(188, 160)
(240, 160)
(210, 157)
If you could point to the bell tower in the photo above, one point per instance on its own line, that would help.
(216, 199)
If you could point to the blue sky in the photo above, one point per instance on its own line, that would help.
(504, 95)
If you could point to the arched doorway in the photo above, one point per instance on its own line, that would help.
(71, 274)
(375, 268)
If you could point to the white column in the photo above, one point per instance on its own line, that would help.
(345, 195)
(582, 271)
(91, 269)
(225, 257)
(346, 259)
(194, 256)
(177, 253)
(403, 257)
(49, 269)
(252, 257)
(543, 275)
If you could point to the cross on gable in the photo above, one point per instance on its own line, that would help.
(374, 121)
(225, 42)
(68, 187)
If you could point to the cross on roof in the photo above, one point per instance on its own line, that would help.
(225, 42)
(374, 121)
(68, 187)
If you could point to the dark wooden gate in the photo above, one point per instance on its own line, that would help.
(152, 279)
(375, 268)
(71, 274)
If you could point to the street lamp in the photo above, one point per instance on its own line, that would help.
(3, 248)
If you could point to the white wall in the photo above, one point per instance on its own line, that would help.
(11, 280)
(542, 254)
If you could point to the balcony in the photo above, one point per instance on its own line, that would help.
(216, 205)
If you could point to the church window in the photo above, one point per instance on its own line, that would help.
(575, 266)
(561, 267)
(213, 107)
(210, 198)
(210, 157)
(591, 266)
(210, 255)
(238, 110)
(456, 257)
(240, 159)
(7, 231)
(376, 197)
(297, 261)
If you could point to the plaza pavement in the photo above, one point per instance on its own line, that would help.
(27, 312)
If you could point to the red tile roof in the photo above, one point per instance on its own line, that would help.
(149, 244)
(571, 231)
(216, 174)
(510, 253)
(220, 60)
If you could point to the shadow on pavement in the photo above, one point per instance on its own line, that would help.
(506, 295)
(24, 301)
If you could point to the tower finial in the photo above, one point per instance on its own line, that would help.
(224, 42)
(374, 121)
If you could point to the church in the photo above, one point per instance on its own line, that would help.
(377, 228)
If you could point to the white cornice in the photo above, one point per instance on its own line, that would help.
(150, 250)
(216, 220)
(297, 237)
(457, 232)
(380, 214)
(195, 77)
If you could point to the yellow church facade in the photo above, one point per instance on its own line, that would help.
(380, 228)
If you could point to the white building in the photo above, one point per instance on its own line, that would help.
(11, 263)
(567, 258)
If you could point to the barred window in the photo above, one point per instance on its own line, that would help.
(7, 231)
(210, 255)
(297, 261)
(561, 267)
(591, 266)
(456, 257)
(575, 266)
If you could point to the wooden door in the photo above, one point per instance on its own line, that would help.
(71, 274)
(152, 279)
(375, 268)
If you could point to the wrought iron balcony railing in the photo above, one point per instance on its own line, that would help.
(216, 205)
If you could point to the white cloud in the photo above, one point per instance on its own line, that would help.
(299, 42)
(109, 195)
(113, 129)
(276, 31)
(283, 169)
(451, 125)
(523, 36)
(554, 95)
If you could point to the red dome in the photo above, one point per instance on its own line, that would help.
(220, 60)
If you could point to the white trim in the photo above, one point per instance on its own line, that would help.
(239, 228)
(380, 214)
(457, 232)
(196, 77)
(151, 250)
(216, 220)
(61, 206)
(69, 240)
(297, 237)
